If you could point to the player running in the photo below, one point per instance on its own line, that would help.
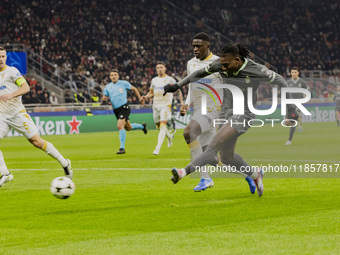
(236, 68)
(297, 82)
(13, 115)
(116, 90)
(199, 132)
(161, 105)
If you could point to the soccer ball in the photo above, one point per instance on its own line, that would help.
(62, 187)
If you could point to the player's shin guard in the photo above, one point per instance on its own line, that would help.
(3, 167)
(54, 153)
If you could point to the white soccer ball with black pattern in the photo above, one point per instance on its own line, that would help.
(62, 187)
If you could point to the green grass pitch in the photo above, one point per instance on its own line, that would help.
(126, 204)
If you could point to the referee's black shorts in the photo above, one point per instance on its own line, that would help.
(122, 112)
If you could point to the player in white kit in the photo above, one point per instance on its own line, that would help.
(161, 104)
(13, 115)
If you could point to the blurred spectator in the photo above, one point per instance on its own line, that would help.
(80, 39)
(68, 97)
(53, 99)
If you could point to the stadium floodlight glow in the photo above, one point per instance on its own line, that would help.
(238, 100)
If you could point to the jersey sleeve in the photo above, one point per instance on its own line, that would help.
(152, 85)
(127, 85)
(15, 74)
(214, 67)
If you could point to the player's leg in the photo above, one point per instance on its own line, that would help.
(6, 176)
(235, 164)
(162, 133)
(125, 111)
(121, 123)
(24, 125)
(191, 133)
(300, 121)
(225, 134)
(291, 133)
(157, 120)
(337, 116)
(49, 148)
(162, 115)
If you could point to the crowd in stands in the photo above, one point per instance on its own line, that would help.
(85, 39)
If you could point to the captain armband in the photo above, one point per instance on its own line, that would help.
(20, 81)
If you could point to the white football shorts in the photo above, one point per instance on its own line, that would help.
(20, 122)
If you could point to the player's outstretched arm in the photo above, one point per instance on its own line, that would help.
(148, 95)
(195, 76)
(135, 90)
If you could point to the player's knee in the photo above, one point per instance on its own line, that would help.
(186, 134)
(37, 143)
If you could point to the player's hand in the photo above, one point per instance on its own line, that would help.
(5, 97)
(184, 108)
(170, 88)
(142, 100)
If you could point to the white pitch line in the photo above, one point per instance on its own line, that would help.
(96, 169)
(116, 160)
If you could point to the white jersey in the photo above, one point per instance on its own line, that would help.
(7, 86)
(205, 86)
(157, 85)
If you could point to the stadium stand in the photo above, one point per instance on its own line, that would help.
(86, 39)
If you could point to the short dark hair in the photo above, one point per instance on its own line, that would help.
(2, 48)
(203, 36)
(295, 68)
(235, 49)
(114, 71)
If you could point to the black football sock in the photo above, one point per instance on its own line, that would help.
(291, 133)
(209, 154)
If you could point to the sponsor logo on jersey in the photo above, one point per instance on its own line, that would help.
(2, 87)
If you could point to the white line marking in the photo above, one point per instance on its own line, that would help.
(96, 169)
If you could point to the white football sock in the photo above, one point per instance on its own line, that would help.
(3, 167)
(54, 153)
(162, 133)
(196, 151)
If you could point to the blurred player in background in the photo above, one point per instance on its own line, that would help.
(236, 68)
(161, 105)
(296, 81)
(199, 132)
(13, 115)
(116, 90)
(337, 105)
